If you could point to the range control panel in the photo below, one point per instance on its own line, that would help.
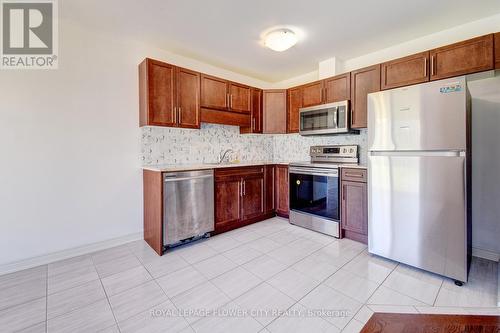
(337, 153)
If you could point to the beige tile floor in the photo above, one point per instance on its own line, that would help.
(267, 277)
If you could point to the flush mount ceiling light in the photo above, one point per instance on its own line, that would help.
(280, 39)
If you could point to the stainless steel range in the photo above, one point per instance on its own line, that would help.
(315, 188)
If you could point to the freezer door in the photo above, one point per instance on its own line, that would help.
(417, 212)
(429, 116)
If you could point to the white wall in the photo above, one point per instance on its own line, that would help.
(486, 164)
(70, 145)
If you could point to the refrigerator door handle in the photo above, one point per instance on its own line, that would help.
(450, 153)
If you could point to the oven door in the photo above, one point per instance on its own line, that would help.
(315, 191)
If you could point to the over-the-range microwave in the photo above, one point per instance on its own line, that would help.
(332, 118)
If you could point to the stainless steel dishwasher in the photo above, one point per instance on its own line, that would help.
(188, 206)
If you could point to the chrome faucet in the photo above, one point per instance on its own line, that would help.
(223, 155)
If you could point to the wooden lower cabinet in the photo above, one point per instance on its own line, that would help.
(252, 196)
(269, 188)
(227, 201)
(240, 197)
(282, 189)
(354, 204)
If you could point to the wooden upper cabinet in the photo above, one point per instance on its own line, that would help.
(294, 104)
(214, 92)
(405, 71)
(157, 93)
(497, 50)
(312, 94)
(169, 95)
(337, 88)
(274, 111)
(256, 113)
(188, 98)
(470, 56)
(256, 110)
(363, 82)
(239, 98)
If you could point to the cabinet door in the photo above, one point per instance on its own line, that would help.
(497, 50)
(405, 71)
(363, 82)
(269, 186)
(312, 94)
(227, 201)
(294, 104)
(256, 111)
(274, 112)
(188, 98)
(282, 188)
(338, 88)
(354, 207)
(470, 56)
(214, 93)
(161, 94)
(253, 196)
(239, 98)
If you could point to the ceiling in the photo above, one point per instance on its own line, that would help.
(226, 33)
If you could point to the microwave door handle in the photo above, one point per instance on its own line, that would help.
(336, 118)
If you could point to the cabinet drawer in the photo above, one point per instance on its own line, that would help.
(239, 171)
(354, 175)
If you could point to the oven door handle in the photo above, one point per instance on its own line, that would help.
(330, 173)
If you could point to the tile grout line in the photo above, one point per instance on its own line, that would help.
(159, 286)
(437, 294)
(321, 282)
(107, 298)
(263, 280)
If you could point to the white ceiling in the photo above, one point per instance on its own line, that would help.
(227, 33)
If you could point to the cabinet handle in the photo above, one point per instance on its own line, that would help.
(321, 95)
(432, 65)
(179, 110)
(175, 115)
(244, 188)
(343, 193)
(253, 124)
(231, 101)
(425, 66)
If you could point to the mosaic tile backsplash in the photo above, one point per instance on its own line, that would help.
(162, 145)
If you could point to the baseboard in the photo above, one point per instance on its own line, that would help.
(69, 253)
(485, 254)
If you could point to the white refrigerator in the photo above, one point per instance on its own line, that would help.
(419, 176)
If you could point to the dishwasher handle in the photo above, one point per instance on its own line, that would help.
(178, 179)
